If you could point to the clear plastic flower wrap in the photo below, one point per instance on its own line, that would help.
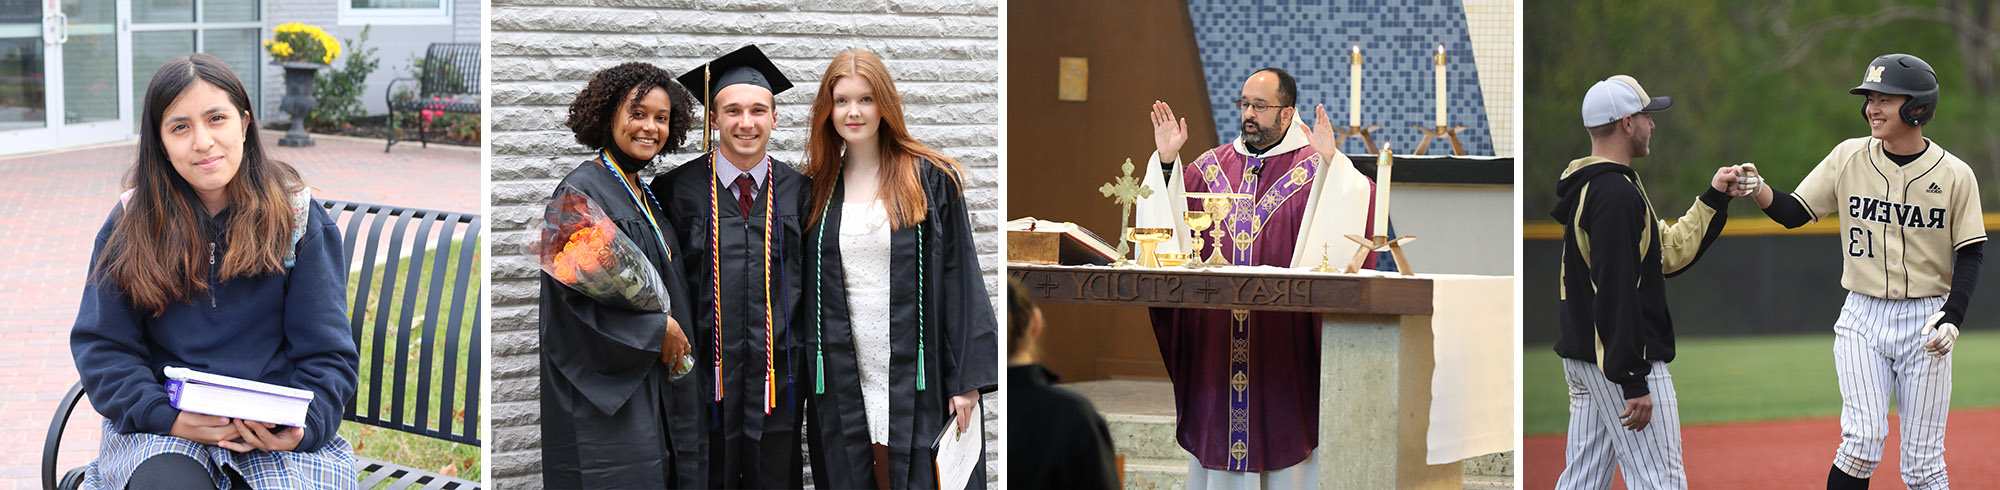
(581, 248)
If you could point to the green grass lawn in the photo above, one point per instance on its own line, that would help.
(417, 451)
(1753, 378)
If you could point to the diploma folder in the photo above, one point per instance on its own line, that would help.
(237, 398)
(958, 453)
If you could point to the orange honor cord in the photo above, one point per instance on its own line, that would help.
(715, 273)
(715, 281)
(770, 352)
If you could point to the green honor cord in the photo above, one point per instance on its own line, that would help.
(819, 307)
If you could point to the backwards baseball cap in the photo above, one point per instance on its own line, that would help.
(1617, 97)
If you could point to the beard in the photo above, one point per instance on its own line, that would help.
(1256, 134)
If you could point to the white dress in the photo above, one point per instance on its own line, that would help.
(864, 256)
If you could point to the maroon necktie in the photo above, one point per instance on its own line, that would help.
(744, 186)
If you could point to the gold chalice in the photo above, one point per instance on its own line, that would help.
(1218, 204)
(1197, 221)
(1149, 239)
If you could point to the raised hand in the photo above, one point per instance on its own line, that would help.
(1324, 140)
(1169, 132)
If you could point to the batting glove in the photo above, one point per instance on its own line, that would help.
(1747, 181)
(1939, 336)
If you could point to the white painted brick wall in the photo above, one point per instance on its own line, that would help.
(944, 54)
(1493, 34)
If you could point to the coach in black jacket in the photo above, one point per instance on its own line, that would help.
(1617, 335)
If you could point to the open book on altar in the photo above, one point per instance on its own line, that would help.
(1037, 241)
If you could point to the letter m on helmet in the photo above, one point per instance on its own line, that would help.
(1874, 75)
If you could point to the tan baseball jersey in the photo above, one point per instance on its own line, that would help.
(1900, 225)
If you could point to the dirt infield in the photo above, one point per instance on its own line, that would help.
(1792, 454)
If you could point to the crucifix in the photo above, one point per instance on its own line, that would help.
(1127, 192)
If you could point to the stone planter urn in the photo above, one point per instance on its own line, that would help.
(298, 100)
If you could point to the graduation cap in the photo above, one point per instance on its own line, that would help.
(745, 65)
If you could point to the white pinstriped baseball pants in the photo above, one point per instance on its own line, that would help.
(1878, 351)
(1650, 458)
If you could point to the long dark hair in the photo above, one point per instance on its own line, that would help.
(155, 252)
(901, 192)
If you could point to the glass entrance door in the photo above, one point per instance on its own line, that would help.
(62, 81)
(25, 35)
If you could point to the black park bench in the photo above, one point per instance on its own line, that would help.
(435, 315)
(449, 71)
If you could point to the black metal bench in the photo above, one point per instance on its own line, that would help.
(449, 70)
(414, 226)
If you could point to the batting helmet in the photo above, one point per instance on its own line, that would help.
(1903, 74)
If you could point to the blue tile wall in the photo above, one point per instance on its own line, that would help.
(1310, 39)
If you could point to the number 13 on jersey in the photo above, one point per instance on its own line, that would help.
(1860, 242)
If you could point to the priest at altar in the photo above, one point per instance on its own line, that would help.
(1246, 383)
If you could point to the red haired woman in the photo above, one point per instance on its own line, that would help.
(900, 327)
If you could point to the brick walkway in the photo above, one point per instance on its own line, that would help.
(51, 206)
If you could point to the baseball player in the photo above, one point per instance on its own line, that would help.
(1617, 337)
(1911, 236)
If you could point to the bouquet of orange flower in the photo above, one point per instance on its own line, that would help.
(583, 249)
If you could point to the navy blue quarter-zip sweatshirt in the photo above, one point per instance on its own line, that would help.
(287, 328)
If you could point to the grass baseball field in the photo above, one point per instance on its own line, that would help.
(1740, 379)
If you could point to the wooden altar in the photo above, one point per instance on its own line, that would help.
(1376, 353)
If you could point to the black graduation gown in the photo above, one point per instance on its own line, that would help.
(748, 449)
(961, 352)
(610, 418)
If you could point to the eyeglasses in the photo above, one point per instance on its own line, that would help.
(1256, 106)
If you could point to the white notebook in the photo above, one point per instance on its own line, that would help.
(224, 396)
(958, 453)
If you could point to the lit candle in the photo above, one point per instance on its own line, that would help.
(1354, 89)
(1440, 90)
(1382, 164)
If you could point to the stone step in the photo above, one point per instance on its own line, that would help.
(1155, 474)
(1496, 465)
(1140, 414)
